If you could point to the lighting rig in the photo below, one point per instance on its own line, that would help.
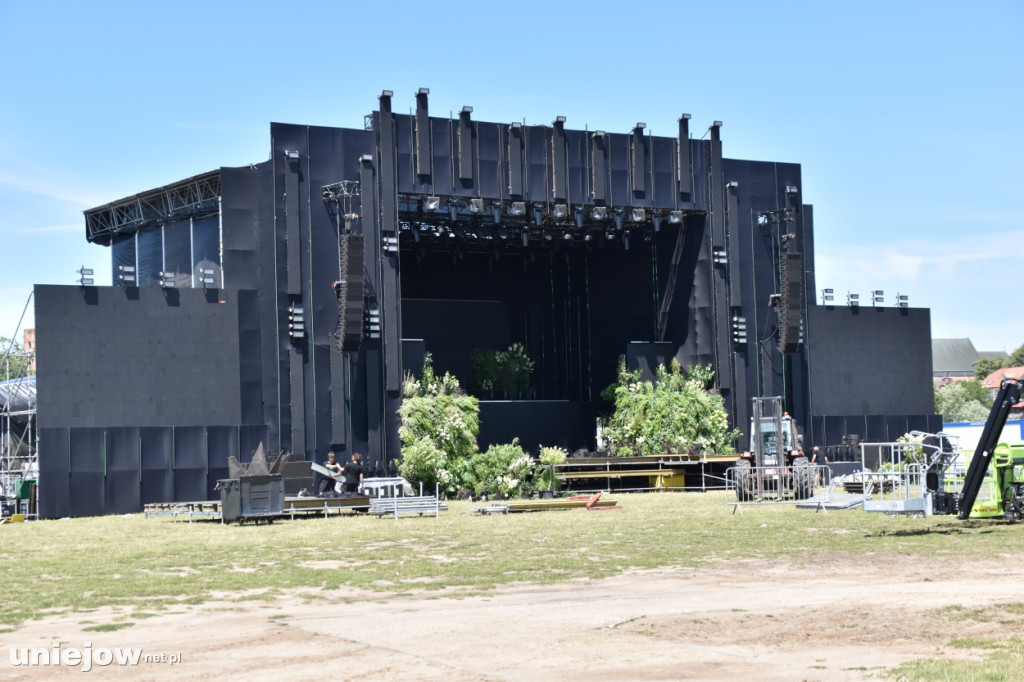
(445, 222)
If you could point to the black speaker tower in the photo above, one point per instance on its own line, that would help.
(790, 302)
(350, 294)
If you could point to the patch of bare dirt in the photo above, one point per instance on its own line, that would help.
(841, 619)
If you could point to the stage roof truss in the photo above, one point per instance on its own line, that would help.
(195, 197)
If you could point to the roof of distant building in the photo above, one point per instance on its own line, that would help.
(994, 379)
(953, 357)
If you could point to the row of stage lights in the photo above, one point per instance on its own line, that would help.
(853, 300)
(561, 214)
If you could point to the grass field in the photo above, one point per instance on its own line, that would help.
(142, 566)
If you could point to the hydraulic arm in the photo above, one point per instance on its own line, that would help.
(1009, 394)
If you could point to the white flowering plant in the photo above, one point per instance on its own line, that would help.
(671, 414)
(439, 427)
(503, 471)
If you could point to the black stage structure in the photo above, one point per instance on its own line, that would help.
(282, 302)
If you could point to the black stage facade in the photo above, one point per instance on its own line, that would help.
(284, 301)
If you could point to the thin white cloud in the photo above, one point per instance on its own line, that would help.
(45, 185)
(45, 229)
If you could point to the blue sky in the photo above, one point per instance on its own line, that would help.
(905, 116)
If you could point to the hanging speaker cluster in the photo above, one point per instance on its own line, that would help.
(790, 303)
(349, 290)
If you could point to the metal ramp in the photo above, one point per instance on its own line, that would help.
(830, 500)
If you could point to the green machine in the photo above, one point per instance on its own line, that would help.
(994, 482)
(1002, 490)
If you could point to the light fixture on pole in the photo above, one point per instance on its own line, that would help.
(85, 276)
(902, 301)
(827, 296)
(853, 300)
(877, 297)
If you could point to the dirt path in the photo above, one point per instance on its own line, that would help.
(848, 621)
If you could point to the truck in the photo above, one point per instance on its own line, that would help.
(775, 464)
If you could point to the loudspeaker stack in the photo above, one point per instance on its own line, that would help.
(790, 303)
(350, 294)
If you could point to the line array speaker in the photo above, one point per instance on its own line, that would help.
(350, 294)
(790, 303)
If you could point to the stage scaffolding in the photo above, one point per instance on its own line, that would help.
(18, 434)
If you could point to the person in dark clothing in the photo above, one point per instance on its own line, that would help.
(327, 484)
(353, 473)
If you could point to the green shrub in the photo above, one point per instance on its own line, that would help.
(669, 415)
(439, 426)
(502, 471)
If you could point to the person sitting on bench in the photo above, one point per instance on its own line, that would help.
(329, 484)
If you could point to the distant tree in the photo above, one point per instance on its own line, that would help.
(973, 390)
(1016, 358)
(14, 364)
(985, 366)
(955, 403)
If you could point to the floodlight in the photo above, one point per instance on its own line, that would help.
(467, 110)
(599, 213)
(638, 215)
(902, 301)
(432, 203)
(560, 212)
(827, 296)
(291, 154)
(675, 217)
(518, 208)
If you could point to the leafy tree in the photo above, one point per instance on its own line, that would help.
(985, 366)
(668, 415)
(955, 403)
(14, 363)
(973, 390)
(439, 426)
(1016, 358)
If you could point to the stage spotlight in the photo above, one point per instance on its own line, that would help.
(675, 217)
(496, 212)
(566, 235)
(560, 212)
(432, 204)
(518, 208)
(599, 213)
(538, 214)
(548, 236)
(617, 215)
(656, 219)
(453, 211)
(578, 215)
(205, 276)
(609, 236)
(638, 215)
(85, 278)
(588, 237)
(526, 239)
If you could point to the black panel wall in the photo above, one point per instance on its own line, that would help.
(873, 361)
(124, 471)
(114, 356)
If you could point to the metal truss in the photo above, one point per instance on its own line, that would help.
(197, 196)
